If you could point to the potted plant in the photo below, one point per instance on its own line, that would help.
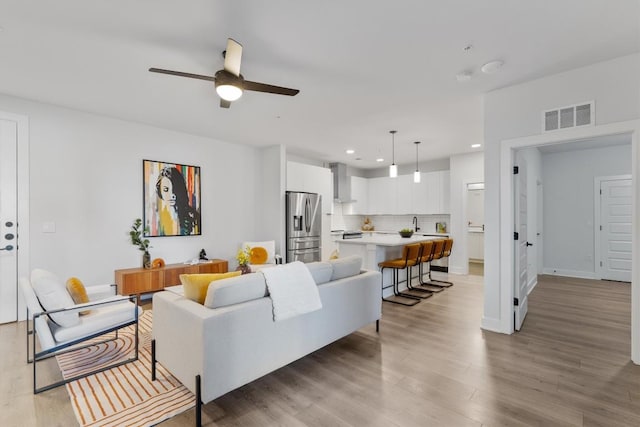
(136, 234)
(406, 232)
(243, 256)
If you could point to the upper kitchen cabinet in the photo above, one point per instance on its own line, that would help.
(431, 195)
(360, 196)
(382, 196)
(312, 179)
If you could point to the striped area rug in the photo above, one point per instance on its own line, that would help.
(125, 395)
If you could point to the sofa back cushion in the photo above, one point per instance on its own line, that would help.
(196, 285)
(345, 267)
(320, 271)
(236, 290)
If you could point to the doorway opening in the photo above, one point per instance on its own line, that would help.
(508, 271)
(475, 228)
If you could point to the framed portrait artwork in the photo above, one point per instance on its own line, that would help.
(171, 194)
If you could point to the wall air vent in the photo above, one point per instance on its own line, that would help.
(582, 114)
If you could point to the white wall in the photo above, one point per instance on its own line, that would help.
(271, 183)
(569, 205)
(465, 169)
(86, 177)
(515, 112)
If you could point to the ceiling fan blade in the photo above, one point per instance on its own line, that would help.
(182, 74)
(224, 103)
(263, 87)
(233, 57)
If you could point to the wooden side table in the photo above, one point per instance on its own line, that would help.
(130, 281)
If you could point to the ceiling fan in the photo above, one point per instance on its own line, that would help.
(229, 82)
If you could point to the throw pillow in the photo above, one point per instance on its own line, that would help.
(196, 285)
(257, 255)
(52, 295)
(236, 290)
(78, 293)
(345, 267)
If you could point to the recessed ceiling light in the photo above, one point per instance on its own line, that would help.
(476, 145)
(350, 151)
(379, 159)
(464, 76)
(492, 67)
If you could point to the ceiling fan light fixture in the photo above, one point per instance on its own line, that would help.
(228, 92)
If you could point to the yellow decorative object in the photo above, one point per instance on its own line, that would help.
(78, 293)
(367, 226)
(157, 263)
(258, 255)
(196, 285)
(243, 255)
(334, 255)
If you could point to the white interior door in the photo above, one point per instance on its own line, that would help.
(8, 221)
(520, 239)
(615, 233)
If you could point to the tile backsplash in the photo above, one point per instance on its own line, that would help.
(427, 223)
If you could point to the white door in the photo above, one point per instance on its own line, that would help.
(520, 239)
(615, 233)
(8, 221)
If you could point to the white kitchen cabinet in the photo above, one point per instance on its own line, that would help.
(445, 193)
(405, 188)
(312, 179)
(475, 244)
(382, 196)
(359, 193)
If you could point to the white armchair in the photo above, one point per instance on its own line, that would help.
(61, 329)
(270, 247)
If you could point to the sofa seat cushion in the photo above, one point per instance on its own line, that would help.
(346, 267)
(53, 295)
(98, 319)
(236, 290)
(196, 285)
(320, 271)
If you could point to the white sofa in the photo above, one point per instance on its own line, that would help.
(232, 345)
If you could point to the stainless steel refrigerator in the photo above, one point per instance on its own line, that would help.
(304, 226)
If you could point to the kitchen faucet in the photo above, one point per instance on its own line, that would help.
(415, 222)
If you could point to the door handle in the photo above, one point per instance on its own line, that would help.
(529, 244)
(7, 248)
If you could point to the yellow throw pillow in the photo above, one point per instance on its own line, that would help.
(78, 293)
(258, 255)
(196, 285)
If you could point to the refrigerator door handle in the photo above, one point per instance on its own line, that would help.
(307, 215)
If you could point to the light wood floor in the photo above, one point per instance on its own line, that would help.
(431, 365)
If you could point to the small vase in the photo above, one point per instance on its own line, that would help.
(245, 269)
(146, 259)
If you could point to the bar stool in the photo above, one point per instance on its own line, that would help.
(410, 254)
(445, 251)
(428, 248)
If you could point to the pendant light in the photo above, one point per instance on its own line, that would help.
(416, 174)
(393, 168)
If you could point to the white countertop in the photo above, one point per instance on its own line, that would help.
(385, 239)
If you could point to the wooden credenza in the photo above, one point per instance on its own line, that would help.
(138, 281)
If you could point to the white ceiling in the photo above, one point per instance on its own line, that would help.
(363, 67)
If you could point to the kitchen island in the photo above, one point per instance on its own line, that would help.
(375, 248)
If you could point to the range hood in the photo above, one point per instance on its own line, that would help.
(341, 183)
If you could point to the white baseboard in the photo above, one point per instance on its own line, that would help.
(457, 270)
(491, 324)
(570, 273)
